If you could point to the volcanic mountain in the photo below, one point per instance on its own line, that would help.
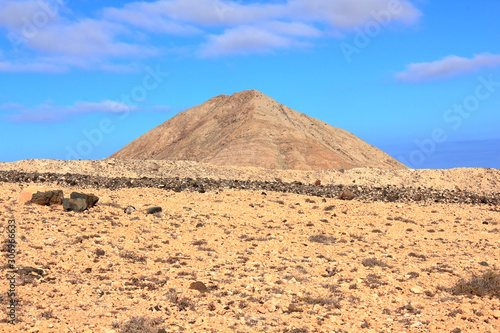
(252, 129)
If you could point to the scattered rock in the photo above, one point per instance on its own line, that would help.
(129, 210)
(269, 306)
(153, 166)
(200, 286)
(48, 198)
(417, 290)
(294, 308)
(496, 314)
(318, 182)
(76, 205)
(153, 210)
(347, 195)
(90, 199)
(363, 192)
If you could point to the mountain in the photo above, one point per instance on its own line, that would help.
(252, 129)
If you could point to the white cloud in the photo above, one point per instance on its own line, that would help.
(48, 112)
(244, 40)
(297, 29)
(351, 13)
(48, 30)
(447, 67)
(36, 29)
(18, 15)
(139, 15)
(215, 12)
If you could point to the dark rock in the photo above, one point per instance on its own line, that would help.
(318, 182)
(392, 197)
(200, 286)
(76, 205)
(48, 198)
(153, 210)
(90, 199)
(347, 195)
(294, 308)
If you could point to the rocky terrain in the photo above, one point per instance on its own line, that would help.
(252, 129)
(251, 250)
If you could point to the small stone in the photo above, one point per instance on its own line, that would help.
(153, 166)
(417, 290)
(318, 182)
(294, 308)
(496, 314)
(153, 210)
(269, 306)
(200, 286)
(347, 195)
(129, 210)
(48, 198)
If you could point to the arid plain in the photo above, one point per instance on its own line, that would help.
(244, 258)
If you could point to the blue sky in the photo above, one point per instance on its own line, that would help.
(418, 79)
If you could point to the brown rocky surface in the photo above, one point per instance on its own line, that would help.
(252, 129)
(233, 260)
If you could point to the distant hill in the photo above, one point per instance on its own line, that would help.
(252, 129)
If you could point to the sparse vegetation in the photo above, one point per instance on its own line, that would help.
(321, 301)
(140, 325)
(372, 262)
(486, 284)
(133, 256)
(322, 239)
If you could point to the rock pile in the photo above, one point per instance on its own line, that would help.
(77, 202)
(388, 193)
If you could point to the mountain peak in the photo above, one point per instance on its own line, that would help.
(249, 128)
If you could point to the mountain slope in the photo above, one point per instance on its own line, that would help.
(251, 129)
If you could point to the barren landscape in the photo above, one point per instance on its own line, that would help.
(229, 254)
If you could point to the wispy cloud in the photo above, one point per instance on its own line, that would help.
(48, 112)
(139, 30)
(31, 67)
(447, 67)
(247, 40)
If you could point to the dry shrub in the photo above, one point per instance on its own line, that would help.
(486, 284)
(140, 325)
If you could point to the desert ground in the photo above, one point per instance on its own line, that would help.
(252, 250)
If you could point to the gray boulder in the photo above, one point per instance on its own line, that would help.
(89, 198)
(76, 205)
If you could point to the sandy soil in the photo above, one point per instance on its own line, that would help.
(258, 262)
